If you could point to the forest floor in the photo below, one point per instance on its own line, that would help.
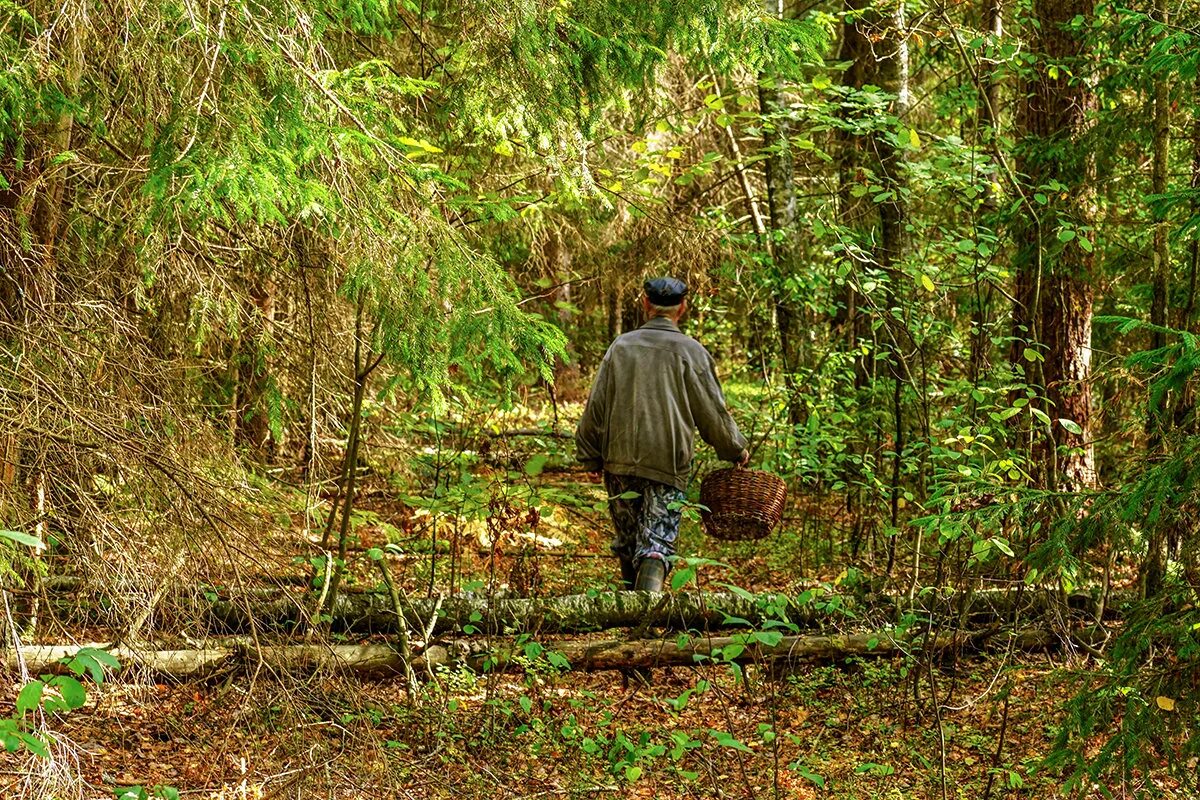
(860, 728)
(850, 730)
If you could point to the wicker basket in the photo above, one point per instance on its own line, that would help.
(742, 503)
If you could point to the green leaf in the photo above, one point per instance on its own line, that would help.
(82, 663)
(1066, 235)
(1072, 426)
(22, 538)
(34, 744)
(1085, 244)
(927, 283)
(72, 691)
(681, 577)
(632, 773)
(30, 697)
(768, 638)
(535, 465)
(726, 740)
(526, 704)
(808, 774)
(731, 651)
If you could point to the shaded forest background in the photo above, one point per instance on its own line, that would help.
(300, 300)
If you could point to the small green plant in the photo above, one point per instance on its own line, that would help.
(53, 694)
(141, 793)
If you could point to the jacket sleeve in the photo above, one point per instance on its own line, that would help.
(708, 409)
(589, 436)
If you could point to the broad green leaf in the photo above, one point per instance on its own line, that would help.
(768, 638)
(681, 578)
(731, 651)
(30, 697)
(726, 740)
(72, 691)
(34, 744)
(22, 538)
(1072, 426)
(535, 465)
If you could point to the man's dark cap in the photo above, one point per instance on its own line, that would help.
(665, 291)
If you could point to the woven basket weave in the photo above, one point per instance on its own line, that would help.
(742, 503)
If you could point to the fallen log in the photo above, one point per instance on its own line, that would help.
(372, 612)
(382, 660)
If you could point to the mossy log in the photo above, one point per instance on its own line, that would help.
(479, 655)
(372, 612)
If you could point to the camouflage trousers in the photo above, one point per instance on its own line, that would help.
(646, 525)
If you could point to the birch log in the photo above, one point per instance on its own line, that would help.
(479, 655)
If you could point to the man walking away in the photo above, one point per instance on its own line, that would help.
(654, 388)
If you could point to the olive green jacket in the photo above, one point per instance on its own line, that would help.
(654, 388)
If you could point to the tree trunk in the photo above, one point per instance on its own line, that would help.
(252, 425)
(893, 217)
(781, 212)
(1154, 566)
(1053, 288)
(854, 51)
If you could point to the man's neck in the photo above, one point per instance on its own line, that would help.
(659, 319)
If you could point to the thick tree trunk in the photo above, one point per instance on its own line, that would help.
(1054, 270)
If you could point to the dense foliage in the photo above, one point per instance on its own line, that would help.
(947, 256)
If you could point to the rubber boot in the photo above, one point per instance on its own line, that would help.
(650, 575)
(628, 574)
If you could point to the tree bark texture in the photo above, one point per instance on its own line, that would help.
(1154, 565)
(1053, 289)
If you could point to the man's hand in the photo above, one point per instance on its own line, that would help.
(743, 459)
